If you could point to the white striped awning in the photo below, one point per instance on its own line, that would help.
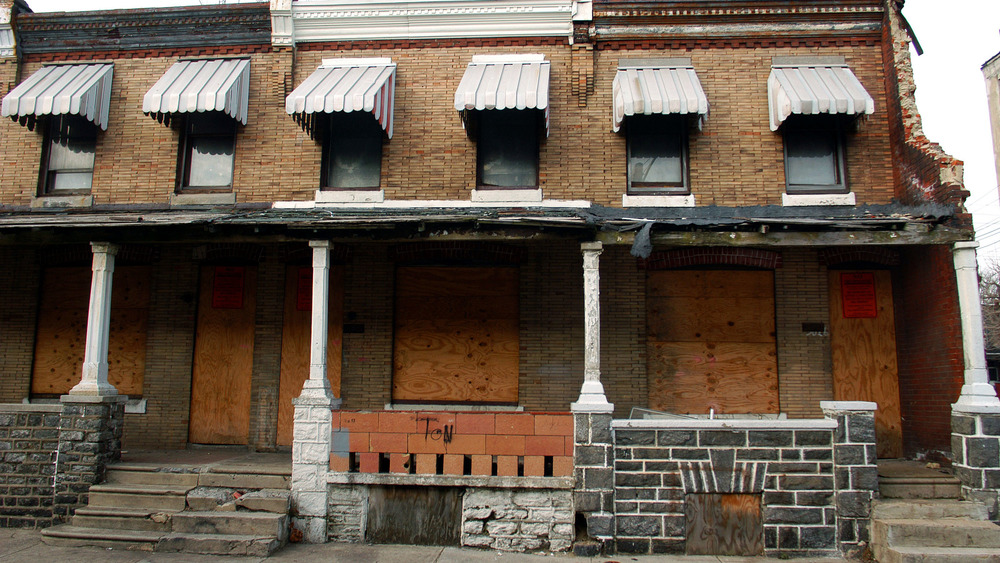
(657, 87)
(811, 89)
(201, 85)
(505, 82)
(345, 85)
(83, 89)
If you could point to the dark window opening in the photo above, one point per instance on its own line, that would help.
(657, 154)
(507, 149)
(208, 144)
(352, 152)
(68, 161)
(814, 157)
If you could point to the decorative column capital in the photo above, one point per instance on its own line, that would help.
(105, 248)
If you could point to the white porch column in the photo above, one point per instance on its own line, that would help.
(95, 358)
(978, 396)
(312, 433)
(592, 398)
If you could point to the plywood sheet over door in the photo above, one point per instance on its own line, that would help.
(223, 356)
(863, 340)
(456, 335)
(711, 341)
(62, 329)
(296, 341)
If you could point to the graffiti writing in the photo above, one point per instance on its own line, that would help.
(445, 433)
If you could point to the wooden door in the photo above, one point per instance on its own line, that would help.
(296, 341)
(223, 356)
(62, 329)
(863, 341)
(456, 335)
(711, 341)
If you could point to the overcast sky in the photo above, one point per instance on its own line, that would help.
(957, 36)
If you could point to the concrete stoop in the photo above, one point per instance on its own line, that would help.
(211, 512)
(938, 530)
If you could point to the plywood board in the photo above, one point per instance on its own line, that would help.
(296, 341)
(724, 524)
(62, 329)
(710, 350)
(465, 350)
(864, 359)
(223, 362)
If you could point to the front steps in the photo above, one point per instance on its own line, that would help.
(921, 519)
(190, 510)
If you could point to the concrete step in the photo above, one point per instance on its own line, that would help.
(928, 508)
(266, 500)
(138, 496)
(944, 487)
(941, 555)
(215, 544)
(151, 477)
(241, 523)
(944, 532)
(74, 536)
(245, 480)
(123, 518)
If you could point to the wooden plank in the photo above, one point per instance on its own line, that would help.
(864, 359)
(296, 342)
(62, 329)
(223, 362)
(693, 377)
(724, 524)
(711, 319)
(409, 515)
(463, 351)
(709, 283)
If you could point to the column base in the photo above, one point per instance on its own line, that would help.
(592, 399)
(978, 398)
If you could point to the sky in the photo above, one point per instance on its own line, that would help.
(957, 37)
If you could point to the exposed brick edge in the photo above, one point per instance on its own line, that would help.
(456, 252)
(712, 256)
(429, 43)
(882, 256)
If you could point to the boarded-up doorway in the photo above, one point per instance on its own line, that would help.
(456, 335)
(62, 330)
(296, 338)
(863, 340)
(711, 341)
(223, 356)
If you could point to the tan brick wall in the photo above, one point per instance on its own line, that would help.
(623, 330)
(19, 279)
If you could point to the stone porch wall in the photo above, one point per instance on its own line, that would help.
(29, 438)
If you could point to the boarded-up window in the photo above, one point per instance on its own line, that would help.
(62, 329)
(711, 341)
(456, 335)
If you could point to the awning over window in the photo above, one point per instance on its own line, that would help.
(198, 86)
(657, 87)
(346, 85)
(810, 89)
(83, 90)
(505, 82)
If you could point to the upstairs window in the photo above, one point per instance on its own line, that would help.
(207, 147)
(352, 152)
(814, 158)
(68, 161)
(507, 149)
(657, 154)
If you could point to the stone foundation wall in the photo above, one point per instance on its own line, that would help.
(29, 437)
(975, 445)
(518, 520)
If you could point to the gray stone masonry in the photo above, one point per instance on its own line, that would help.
(855, 472)
(29, 437)
(593, 496)
(975, 445)
(347, 513)
(90, 438)
(517, 520)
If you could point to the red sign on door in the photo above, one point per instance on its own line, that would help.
(227, 287)
(857, 292)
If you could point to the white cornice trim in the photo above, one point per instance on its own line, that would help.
(8, 39)
(340, 20)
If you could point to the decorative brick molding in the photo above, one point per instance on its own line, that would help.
(711, 256)
(29, 438)
(975, 445)
(459, 42)
(855, 472)
(456, 252)
(873, 255)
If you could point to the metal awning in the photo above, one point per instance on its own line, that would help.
(657, 87)
(505, 82)
(811, 89)
(78, 89)
(201, 85)
(346, 85)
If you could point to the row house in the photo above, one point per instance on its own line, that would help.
(566, 270)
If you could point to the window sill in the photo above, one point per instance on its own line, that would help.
(228, 198)
(515, 196)
(802, 200)
(350, 196)
(61, 201)
(658, 200)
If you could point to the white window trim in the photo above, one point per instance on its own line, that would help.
(513, 196)
(679, 200)
(803, 200)
(350, 196)
(228, 198)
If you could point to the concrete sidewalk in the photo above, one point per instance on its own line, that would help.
(26, 546)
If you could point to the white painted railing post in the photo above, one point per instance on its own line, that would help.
(94, 380)
(978, 395)
(592, 398)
